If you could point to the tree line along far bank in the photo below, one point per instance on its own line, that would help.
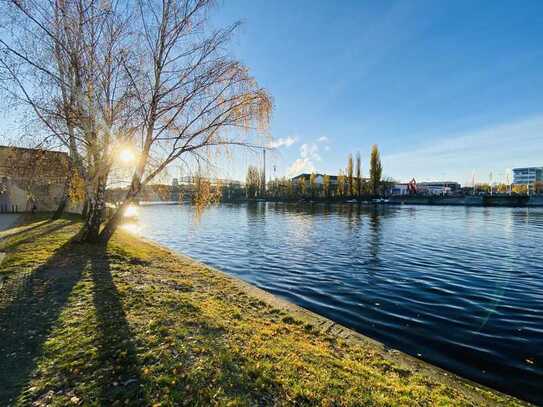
(349, 183)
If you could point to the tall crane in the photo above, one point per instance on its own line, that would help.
(412, 186)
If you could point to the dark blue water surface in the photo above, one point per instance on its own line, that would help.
(460, 287)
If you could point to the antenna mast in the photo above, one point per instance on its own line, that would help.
(263, 171)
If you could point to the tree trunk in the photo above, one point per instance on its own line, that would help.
(114, 222)
(90, 232)
(64, 201)
(85, 210)
(60, 209)
(134, 190)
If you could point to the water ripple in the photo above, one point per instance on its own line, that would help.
(460, 286)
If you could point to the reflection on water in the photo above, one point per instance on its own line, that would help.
(460, 286)
(132, 227)
(375, 236)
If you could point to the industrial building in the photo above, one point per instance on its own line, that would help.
(439, 187)
(426, 188)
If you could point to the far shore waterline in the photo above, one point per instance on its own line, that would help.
(469, 201)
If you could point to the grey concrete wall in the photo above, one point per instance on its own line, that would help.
(32, 177)
(46, 197)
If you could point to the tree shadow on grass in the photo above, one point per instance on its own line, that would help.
(24, 227)
(120, 378)
(26, 322)
(48, 228)
(32, 314)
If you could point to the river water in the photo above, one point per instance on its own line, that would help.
(460, 287)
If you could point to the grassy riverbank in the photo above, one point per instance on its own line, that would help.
(134, 324)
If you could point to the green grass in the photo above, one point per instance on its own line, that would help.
(133, 324)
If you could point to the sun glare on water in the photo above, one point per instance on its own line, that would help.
(132, 227)
(131, 212)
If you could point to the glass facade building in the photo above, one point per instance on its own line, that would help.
(527, 175)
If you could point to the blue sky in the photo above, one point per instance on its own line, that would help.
(446, 89)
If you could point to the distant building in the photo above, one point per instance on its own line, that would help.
(527, 175)
(399, 189)
(31, 179)
(319, 178)
(439, 188)
(175, 182)
(191, 180)
(425, 188)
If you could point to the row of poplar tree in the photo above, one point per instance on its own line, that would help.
(349, 183)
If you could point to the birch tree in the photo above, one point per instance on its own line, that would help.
(192, 97)
(63, 62)
(147, 74)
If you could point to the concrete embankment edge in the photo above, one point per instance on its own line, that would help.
(329, 327)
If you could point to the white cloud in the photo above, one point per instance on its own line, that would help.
(300, 166)
(323, 139)
(309, 153)
(282, 142)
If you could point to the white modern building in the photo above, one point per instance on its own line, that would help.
(400, 189)
(527, 175)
